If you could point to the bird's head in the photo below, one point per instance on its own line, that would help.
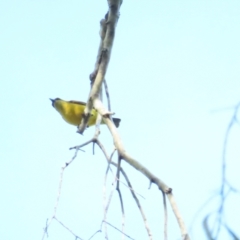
(53, 101)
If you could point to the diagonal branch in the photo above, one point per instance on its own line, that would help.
(107, 34)
(102, 60)
(152, 178)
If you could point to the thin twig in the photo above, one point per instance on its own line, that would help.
(200, 210)
(223, 186)
(77, 148)
(105, 186)
(119, 193)
(107, 94)
(122, 209)
(137, 165)
(114, 164)
(45, 230)
(76, 237)
(107, 206)
(61, 180)
(98, 231)
(138, 204)
(118, 230)
(129, 186)
(59, 193)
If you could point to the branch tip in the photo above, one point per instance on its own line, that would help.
(169, 191)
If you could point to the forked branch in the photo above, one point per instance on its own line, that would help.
(93, 101)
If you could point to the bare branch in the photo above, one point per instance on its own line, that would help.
(165, 215)
(106, 205)
(161, 185)
(138, 204)
(107, 34)
(119, 191)
(103, 60)
(98, 231)
(76, 237)
(181, 224)
(226, 188)
(118, 230)
(129, 186)
(77, 148)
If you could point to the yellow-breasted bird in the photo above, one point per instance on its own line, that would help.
(72, 112)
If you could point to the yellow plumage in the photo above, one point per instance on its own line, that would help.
(72, 112)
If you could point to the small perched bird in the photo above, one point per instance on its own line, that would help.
(72, 112)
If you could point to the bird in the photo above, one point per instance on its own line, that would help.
(72, 112)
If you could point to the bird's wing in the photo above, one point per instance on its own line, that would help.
(78, 102)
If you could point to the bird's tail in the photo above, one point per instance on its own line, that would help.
(116, 121)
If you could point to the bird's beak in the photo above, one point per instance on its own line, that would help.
(53, 100)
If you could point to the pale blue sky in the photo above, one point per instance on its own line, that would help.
(173, 63)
